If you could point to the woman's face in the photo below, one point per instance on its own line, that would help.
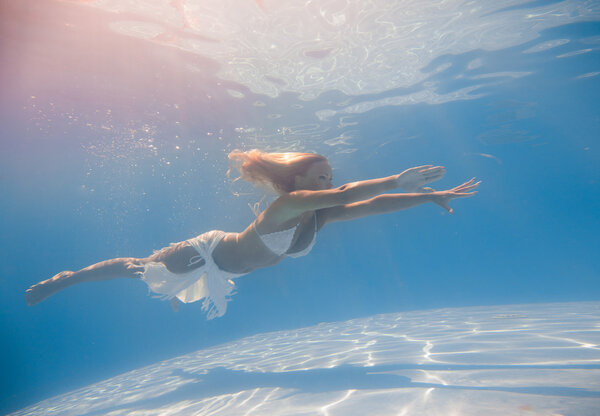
(317, 177)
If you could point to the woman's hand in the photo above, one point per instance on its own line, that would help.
(442, 198)
(413, 179)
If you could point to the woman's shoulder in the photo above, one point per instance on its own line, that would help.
(274, 218)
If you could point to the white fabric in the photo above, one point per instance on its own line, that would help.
(207, 282)
(308, 248)
(279, 242)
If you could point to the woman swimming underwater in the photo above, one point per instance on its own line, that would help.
(203, 267)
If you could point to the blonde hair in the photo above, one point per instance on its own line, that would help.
(275, 171)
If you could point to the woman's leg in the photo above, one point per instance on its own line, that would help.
(178, 258)
(105, 270)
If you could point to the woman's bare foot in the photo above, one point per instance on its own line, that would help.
(39, 292)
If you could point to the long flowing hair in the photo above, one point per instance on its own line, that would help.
(273, 171)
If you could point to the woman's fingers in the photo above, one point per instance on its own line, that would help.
(471, 184)
(463, 194)
(434, 173)
(430, 170)
(461, 191)
(418, 169)
(465, 189)
(435, 176)
(467, 183)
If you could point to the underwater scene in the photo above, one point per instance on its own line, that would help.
(437, 253)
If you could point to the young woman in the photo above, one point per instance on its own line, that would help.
(203, 267)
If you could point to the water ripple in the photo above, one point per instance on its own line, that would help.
(355, 48)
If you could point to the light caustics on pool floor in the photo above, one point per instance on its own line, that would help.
(539, 359)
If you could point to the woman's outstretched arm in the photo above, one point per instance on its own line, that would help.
(385, 203)
(295, 203)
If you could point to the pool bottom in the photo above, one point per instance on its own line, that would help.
(540, 359)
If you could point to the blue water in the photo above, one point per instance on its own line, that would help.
(116, 120)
